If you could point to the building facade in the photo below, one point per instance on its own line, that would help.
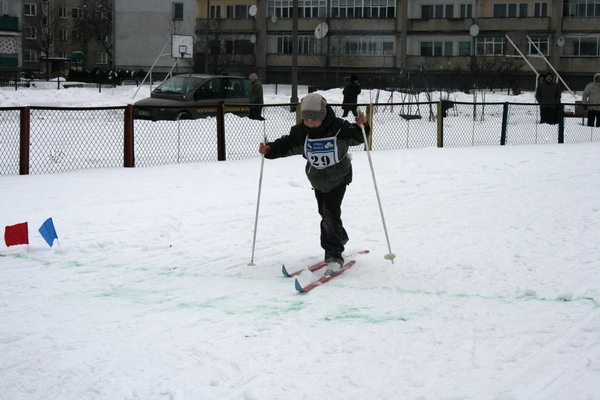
(59, 36)
(10, 38)
(403, 42)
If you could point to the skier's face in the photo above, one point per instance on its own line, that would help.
(312, 123)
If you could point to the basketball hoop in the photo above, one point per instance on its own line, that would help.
(183, 50)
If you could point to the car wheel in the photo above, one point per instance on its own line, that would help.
(183, 115)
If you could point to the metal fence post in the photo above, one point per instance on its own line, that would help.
(440, 125)
(24, 141)
(221, 156)
(561, 123)
(128, 139)
(504, 124)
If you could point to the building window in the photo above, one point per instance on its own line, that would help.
(101, 38)
(279, 45)
(62, 12)
(510, 10)
(280, 9)
(363, 9)
(238, 46)
(466, 11)
(540, 9)
(312, 8)
(581, 46)
(581, 8)
(177, 11)
(30, 33)
(363, 46)
(238, 11)
(464, 49)
(29, 10)
(436, 48)
(437, 11)
(215, 12)
(63, 35)
(542, 43)
(76, 13)
(101, 58)
(76, 36)
(489, 46)
(30, 56)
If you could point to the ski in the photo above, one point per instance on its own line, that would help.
(313, 267)
(324, 279)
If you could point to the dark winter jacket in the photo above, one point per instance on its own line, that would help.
(346, 135)
(256, 92)
(351, 92)
(591, 94)
(548, 94)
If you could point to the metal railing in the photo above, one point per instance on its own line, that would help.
(39, 140)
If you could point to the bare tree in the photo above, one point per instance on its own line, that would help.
(46, 25)
(96, 24)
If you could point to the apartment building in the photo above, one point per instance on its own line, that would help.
(401, 41)
(10, 38)
(58, 36)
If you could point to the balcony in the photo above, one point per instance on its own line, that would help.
(9, 23)
(440, 25)
(9, 60)
(580, 24)
(514, 24)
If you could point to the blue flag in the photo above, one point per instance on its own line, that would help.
(48, 232)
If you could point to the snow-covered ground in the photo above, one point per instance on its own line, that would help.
(494, 293)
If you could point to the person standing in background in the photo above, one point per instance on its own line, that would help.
(548, 96)
(591, 95)
(256, 97)
(351, 92)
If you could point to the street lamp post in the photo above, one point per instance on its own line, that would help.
(294, 98)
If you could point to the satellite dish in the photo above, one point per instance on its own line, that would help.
(252, 10)
(274, 18)
(560, 42)
(321, 30)
(253, 39)
(474, 31)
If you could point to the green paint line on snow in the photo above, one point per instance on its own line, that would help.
(364, 318)
(444, 293)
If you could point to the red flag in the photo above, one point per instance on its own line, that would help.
(16, 234)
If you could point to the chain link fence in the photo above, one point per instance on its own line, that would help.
(10, 120)
(65, 139)
(71, 139)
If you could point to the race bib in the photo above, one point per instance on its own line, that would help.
(321, 153)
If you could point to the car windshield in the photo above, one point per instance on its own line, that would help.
(179, 85)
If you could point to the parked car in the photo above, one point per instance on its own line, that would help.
(193, 96)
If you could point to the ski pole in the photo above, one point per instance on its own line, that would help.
(390, 256)
(262, 163)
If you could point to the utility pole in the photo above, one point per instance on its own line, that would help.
(294, 98)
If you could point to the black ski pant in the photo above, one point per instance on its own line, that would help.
(549, 115)
(333, 234)
(353, 110)
(593, 115)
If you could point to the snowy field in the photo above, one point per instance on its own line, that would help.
(494, 293)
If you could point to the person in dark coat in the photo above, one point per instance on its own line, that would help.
(351, 92)
(548, 96)
(256, 97)
(323, 139)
